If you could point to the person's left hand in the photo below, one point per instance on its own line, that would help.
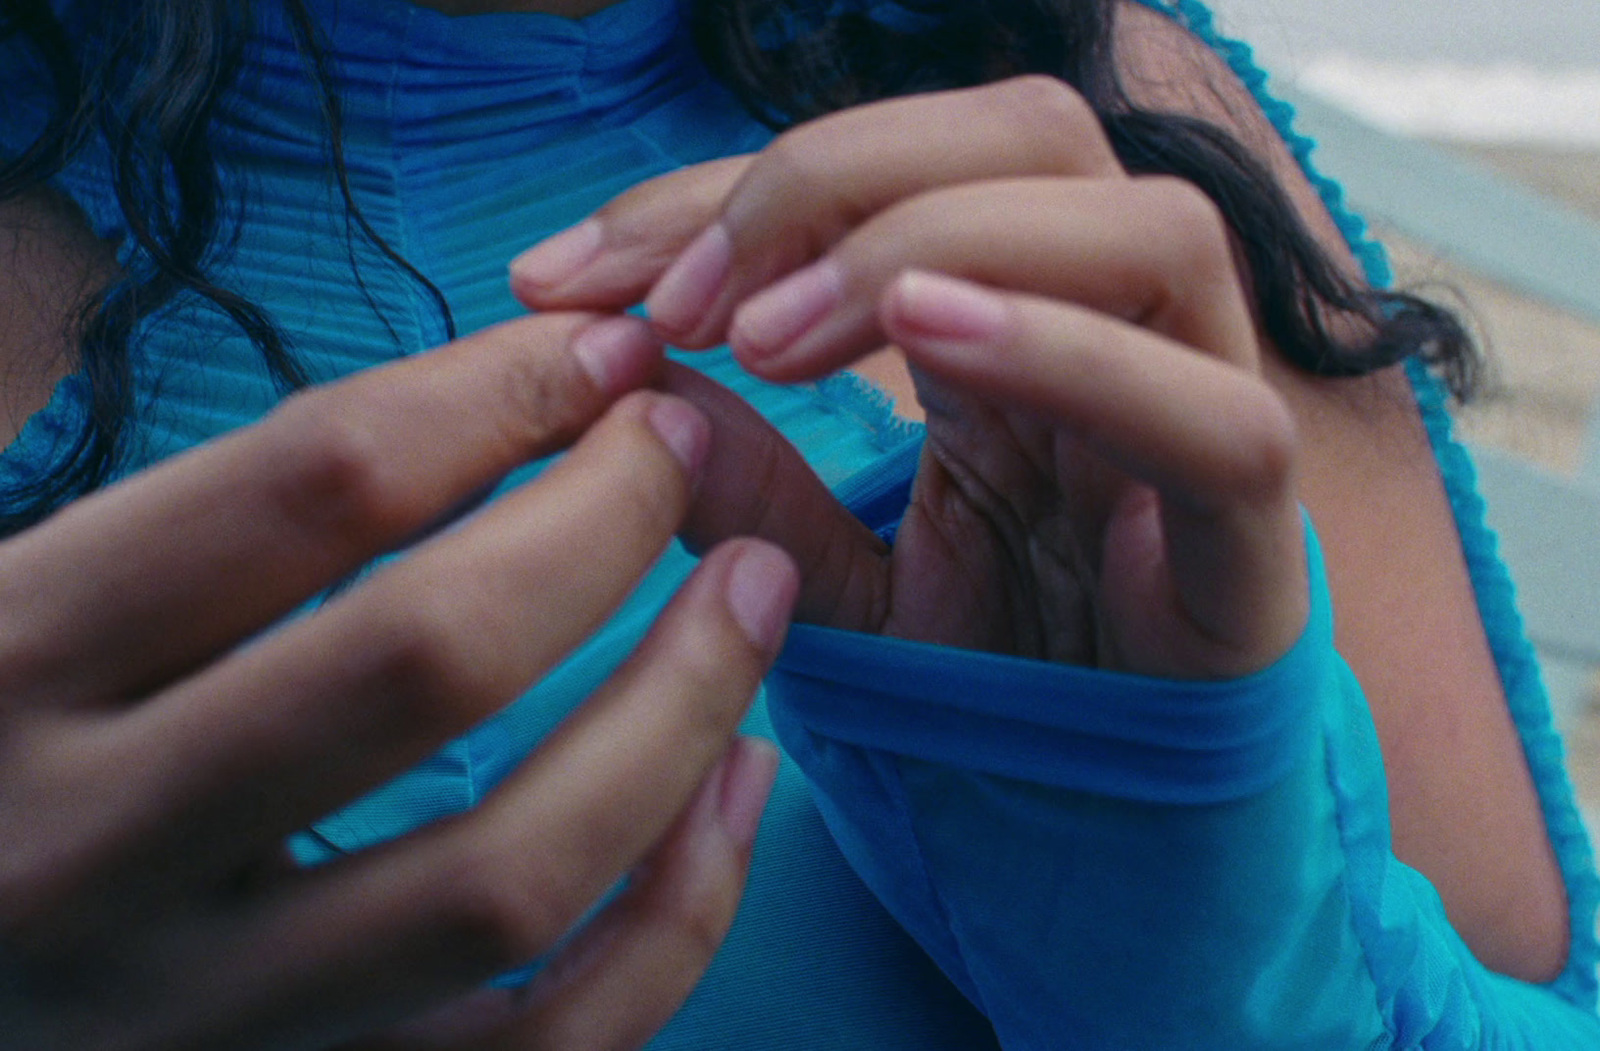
(1107, 480)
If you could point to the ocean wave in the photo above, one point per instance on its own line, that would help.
(1506, 103)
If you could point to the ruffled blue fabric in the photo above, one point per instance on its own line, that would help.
(467, 139)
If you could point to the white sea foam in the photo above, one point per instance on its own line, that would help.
(1506, 103)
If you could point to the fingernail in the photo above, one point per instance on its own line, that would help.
(557, 258)
(769, 322)
(616, 352)
(689, 287)
(748, 773)
(684, 431)
(761, 592)
(948, 310)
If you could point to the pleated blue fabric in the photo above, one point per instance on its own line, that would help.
(469, 138)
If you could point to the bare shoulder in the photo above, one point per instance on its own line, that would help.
(1165, 68)
(50, 261)
(1463, 805)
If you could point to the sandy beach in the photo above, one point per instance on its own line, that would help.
(1545, 380)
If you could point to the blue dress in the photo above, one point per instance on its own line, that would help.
(1093, 861)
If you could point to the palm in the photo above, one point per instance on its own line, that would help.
(1020, 540)
(999, 549)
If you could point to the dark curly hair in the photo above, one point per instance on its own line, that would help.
(150, 79)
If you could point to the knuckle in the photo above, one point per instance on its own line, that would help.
(699, 912)
(1192, 226)
(505, 914)
(796, 166)
(425, 670)
(538, 397)
(1050, 108)
(337, 479)
(863, 588)
(1033, 94)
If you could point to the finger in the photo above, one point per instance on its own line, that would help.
(1150, 250)
(372, 938)
(629, 969)
(297, 724)
(610, 260)
(804, 192)
(138, 584)
(1212, 438)
(815, 183)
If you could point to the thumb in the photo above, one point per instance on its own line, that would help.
(755, 483)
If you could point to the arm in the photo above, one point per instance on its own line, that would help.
(1104, 861)
(1463, 805)
(1106, 483)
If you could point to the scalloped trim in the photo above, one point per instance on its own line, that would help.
(37, 450)
(1526, 698)
(863, 400)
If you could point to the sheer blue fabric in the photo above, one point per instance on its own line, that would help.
(1104, 860)
(470, 138)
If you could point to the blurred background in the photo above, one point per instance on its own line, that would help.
(1468, 133)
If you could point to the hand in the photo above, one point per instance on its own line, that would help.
(155, 760)
(1107, 480)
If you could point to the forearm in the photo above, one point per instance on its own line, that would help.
(1173, 879)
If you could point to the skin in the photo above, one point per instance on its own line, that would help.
(226, 943)
(1462, 803)
(51, 261)
(1463, 806)
(1176, 514)
(155, 909)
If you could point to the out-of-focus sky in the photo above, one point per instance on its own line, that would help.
(1474, 70)
(1546, 34)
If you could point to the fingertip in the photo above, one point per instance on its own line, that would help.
(555, 260)
(725, 811)
(618, 353)
(683, 429)
(774, 319)
(686, 292)
(761, 588)
(922, 308)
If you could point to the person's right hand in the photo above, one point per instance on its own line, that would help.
(157, 745)
(1108, 479)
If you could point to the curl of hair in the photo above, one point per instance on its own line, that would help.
(790, 62)
(154, 94)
